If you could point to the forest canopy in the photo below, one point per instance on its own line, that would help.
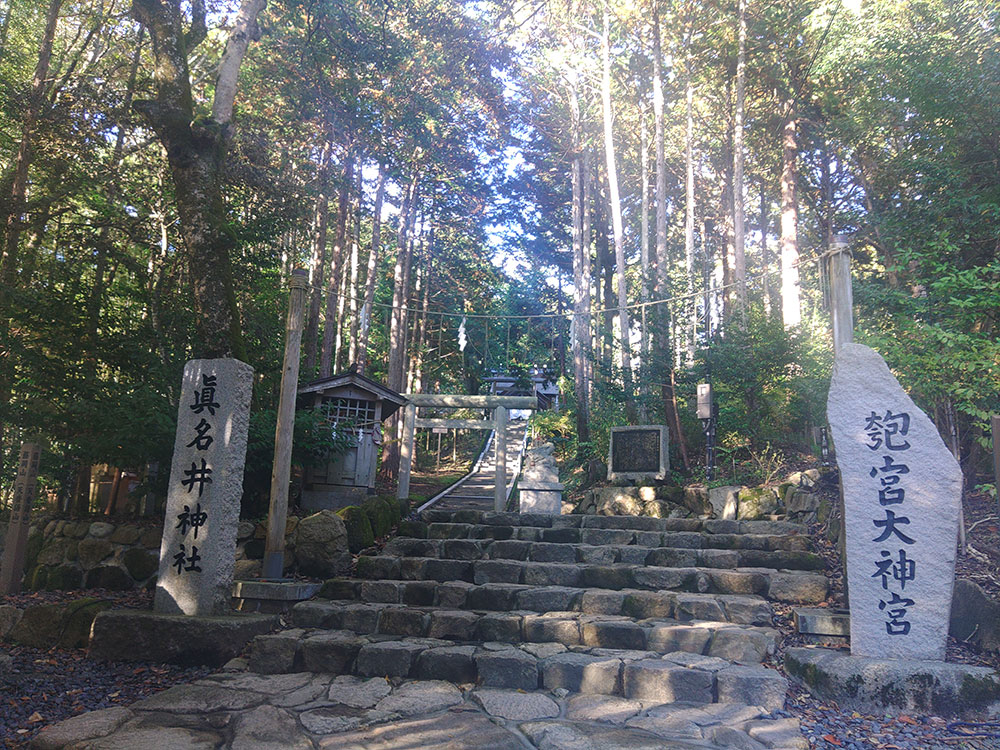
(632, 197)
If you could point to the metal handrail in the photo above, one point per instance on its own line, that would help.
(475, 470)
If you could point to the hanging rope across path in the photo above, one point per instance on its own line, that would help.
(570, 314)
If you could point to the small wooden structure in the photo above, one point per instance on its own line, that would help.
(353, 402)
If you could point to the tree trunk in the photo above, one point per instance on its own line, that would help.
(103, 244)
(352, 338)
(581, 284)
(331, 322)
(739, 232)
(397, 328)
(367, 310)
(196, 151)
(587, 274)
(689, 199)
(790, 313)
(12, 208)
(5, 27)
(614, 201)
(645, 281)
(317, 259)
(770, 303)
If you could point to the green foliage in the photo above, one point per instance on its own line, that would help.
(313, 441)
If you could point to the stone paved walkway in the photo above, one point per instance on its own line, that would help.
(238, 710)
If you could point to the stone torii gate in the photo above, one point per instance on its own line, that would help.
(500, 406)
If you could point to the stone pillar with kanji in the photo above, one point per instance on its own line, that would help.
(198, 551)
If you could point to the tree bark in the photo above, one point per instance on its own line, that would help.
(317, 259)
(588, 272)
(355, 267)
(614, 202)
(581, 285)
(396, 368)
(196, 151)
(367, 310)
(689, 198)
(790, 313)
(12, 216)
(739, 232)
(331, 321)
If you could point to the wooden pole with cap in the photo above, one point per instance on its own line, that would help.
(274, 552)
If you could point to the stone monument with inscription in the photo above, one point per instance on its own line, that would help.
(539, 489)
(902, 496)
(638, 453)
(198, 550)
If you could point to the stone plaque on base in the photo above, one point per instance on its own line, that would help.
(902, 495)
(638, 452)
(198, 551)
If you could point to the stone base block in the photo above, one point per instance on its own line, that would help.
(823, 627)
(897, 686)
(130, 635)
(271, 597)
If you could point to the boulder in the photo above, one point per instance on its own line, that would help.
(245, 570)
(63, 578)
(109, 577)
(126, 535)
(91, 552)
(151, 538)
(695, 499)
(321, 546)
(62, 625)
(756, 503)
(9, 617)
(975, 617)
(53, 552)
(358, 528)
(139, 563)
(724, 501)
(618, 501)
(100, 530)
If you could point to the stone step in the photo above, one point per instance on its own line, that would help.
(634, 523)
(788, 586)
(639, 675)
(504, 597)
(660, 634)
(674, 550)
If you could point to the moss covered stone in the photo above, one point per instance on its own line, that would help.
(109, 577)
(379, 516)
(63, 578)
(63, 625)
(139, 563)
(415, 529)
(359, 528)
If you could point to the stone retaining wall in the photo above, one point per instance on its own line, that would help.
(119, 555)
(798, 499)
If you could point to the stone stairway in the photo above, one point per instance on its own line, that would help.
(476, 492)
(663, 612)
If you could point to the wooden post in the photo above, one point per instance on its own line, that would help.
(274, 552)
(500, 465)
(438, 465)
(406, 450)
(995, 424)
(841, 293)
(454, 447)
(25, 488)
